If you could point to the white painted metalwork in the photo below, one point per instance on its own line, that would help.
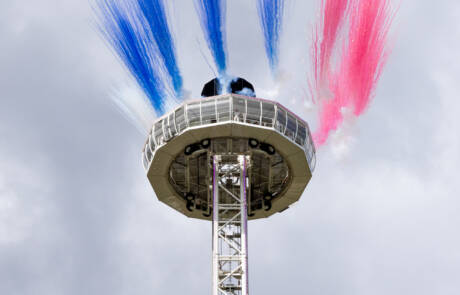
(272, 115)
(230, 259)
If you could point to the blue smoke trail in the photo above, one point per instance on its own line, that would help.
(212, 19)
(124, 28)
(154, 12)
(270, 17)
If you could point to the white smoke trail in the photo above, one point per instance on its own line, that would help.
(343, 139)
(134, 106)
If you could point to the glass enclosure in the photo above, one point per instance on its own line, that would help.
(242, 109)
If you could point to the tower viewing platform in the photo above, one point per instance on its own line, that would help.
(279, 146)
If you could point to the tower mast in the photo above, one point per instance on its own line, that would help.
(230, 257)
(229, 158)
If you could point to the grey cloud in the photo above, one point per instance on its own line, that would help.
(77, 215)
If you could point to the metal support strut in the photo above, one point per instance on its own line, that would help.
(230, 256)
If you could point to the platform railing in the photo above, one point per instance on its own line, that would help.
(230, 108)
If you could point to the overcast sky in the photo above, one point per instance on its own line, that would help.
(77, 214)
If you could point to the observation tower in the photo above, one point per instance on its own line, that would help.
(229, 158)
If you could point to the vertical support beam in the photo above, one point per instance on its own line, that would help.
(215, 229)
(230, 223)
(244, 227)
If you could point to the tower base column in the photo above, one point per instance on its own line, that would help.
(229, 193)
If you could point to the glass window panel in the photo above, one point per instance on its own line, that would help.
(208, 111)
(301, 134)
(158, 133)
(239, 109)
(193, 114)
(253, 114)
(145, 162)
(166, 133)
(223, 109)
(309, 142)
(180, 120)
(268, 114)
(280, 120)
(149, 155)
(313, 163)
(291, 127)
(171, 125)
(151, 143)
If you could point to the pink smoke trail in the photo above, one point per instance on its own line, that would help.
(362, 56)
(325, 36)
(367, 51)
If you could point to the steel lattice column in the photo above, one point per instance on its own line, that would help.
(230, 259)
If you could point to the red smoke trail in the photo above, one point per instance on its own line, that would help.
(332, 15)
(362, 56)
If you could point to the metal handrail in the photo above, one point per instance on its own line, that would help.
(307, 146)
